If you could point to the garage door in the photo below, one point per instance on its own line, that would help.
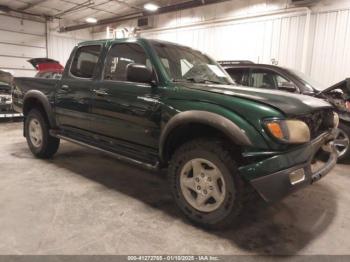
(20, 40)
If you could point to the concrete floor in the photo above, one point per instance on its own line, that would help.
(84, 202)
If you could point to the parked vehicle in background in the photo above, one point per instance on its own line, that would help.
(6, 81)
(47, 68)
(162, 105)
(279, 78)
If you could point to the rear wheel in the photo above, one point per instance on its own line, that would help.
(39, 140)
(205, 183)
(342, 142)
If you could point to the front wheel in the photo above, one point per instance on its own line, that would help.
(205, 183)
(342, 142)
(39, 140)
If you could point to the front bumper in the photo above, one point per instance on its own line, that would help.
(310, 162)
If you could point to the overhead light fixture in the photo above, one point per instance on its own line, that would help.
(91, 20)
(151, 7)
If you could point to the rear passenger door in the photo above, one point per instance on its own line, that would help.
(74, 94)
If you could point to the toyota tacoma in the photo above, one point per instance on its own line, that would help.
(162, 105)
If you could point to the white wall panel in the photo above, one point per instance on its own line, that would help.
(20, 25)
(23, 39)
(20, 40)
(23, 51)
(331, 47)
(259, 40)
(15, 63)
(261, 30)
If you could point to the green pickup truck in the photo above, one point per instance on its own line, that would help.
(162, 105)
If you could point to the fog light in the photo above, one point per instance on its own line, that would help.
(297, 176)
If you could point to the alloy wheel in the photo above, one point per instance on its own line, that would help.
(35, 133)
(341, 142)
(202, 185)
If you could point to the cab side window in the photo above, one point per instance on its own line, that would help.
(85, 61)
(261, 78)
(285, 84)
(120, 56)
(238, 75)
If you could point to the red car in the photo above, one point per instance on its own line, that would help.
(47, 68)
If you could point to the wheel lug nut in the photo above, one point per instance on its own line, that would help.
(211, 188)
(197, 179)
(198, 187)
(205, 191)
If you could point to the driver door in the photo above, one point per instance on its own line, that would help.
(124, 110)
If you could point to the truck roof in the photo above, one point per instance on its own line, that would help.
(132, 39)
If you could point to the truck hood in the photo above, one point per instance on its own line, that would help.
(289, 104)
(342, 85)
(338, 95)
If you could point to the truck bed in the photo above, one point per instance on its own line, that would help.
(25, 84)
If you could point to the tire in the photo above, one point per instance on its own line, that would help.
(38, 137)
(343, 136)
(211, 153)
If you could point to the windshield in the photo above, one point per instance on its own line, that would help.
(308, 81)
(184, 64)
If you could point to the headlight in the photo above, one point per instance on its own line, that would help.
(335, 119)
(289, 131)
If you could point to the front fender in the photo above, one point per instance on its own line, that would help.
(230, 129)
(237, 129)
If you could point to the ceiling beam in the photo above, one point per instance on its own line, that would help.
(161, 10)
(30, 5)
(123, 2)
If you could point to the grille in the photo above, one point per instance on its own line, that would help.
(319, 121)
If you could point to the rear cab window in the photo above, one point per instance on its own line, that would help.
(85, 61)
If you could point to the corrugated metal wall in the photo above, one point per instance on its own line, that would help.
(330, 55)
(20, 40)
(265, 37)
(258, 40)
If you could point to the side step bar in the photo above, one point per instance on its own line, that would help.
(116, 155)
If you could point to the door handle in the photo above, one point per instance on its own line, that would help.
(100, 92)
(65, 87)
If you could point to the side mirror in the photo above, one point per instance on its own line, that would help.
(287, 86)
(138, 73)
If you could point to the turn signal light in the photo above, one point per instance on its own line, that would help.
(275, 129)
